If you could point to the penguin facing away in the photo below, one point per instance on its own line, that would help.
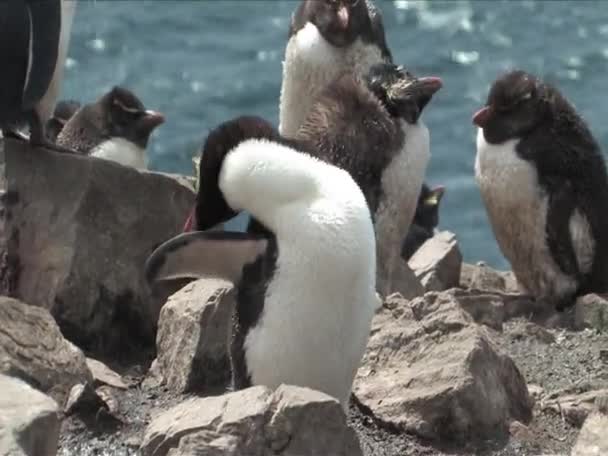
(64, 110)
(116, 127)
(371, 127)
(305, 269)
(34, 39)
(544, 184)
(425, 220)
(327, 38)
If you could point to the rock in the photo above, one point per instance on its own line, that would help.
(591, 311)
(536, 391)
(291, 421)
(437, 262)
(482, 277)
(405, 281)
(529, 330)
(521, 432)
(83, 399)
(574, 406)
(79, 230)
(32, 348)
(593, 438)
(429, 369)
(29, 423)
(485, 308)
(103, 375)
(193, 335)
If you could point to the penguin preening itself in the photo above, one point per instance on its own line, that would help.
(425, 220)
(370, 125)
(304, 271)
(34, 39)
(327, 38)
(64, 110)
(544, 184)
(116, 127)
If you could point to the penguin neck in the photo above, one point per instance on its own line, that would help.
(311, 63)
(123, 151)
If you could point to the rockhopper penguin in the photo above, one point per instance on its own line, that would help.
(370, 126)
(305, 269)
(544, 184)
(116, 127)
(327, 38)
(34, 39)
(425, 220)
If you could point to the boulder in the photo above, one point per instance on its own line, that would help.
(193, 335)
(591, 311)
(103, 375)
(33, 349)
(437, 262)
(78, 231)
(480, 276)
(593, 438)
(404, 281)
(291, 421)
(431, 370)
(29, 421)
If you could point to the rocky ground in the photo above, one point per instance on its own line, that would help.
(92, 362)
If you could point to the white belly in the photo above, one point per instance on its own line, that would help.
(310, 64)
(517, 209)
(401, 183)
(121, 151)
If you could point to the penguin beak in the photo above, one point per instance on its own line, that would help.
(190, 221)
(435, 196)
(427, 87)
(343, 17)
(150, 120)
(480, 118)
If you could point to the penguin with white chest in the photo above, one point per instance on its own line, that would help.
(116, 127)
(544, 184)
(371, 126)
(34, 39)
(304, 271)
(327, 38)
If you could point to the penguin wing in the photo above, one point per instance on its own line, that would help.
(198, 254)
(45, 29)
(375, 17)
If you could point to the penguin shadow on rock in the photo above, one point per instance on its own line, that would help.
(304, 272)
(116, 127)
(34, 39)
(544, 185)
(426, 220)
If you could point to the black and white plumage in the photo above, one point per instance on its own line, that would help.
(305, 269)
(34, 39)
(116, 127)
(425, 220)
(545, 187)
(327, 38)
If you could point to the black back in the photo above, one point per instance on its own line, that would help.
(422, 228)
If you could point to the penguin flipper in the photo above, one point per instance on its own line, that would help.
(198, 254)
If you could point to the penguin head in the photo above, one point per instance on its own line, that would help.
(211, 207)
(516, 104)
(427, 211)
(64, 110)
(124, 116)
(403, 94)
(340, 22)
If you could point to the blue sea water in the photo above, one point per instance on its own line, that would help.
(203, 62)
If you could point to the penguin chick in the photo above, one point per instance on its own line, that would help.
(371, 127)
(116, 127)
(544, 184)
(425, 220)
(326, 39)
(304, 271)
(64, 110)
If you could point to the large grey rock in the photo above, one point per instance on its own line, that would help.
(591, 311)
(480, 276)
(79, 230)
(29, 423)
(193, 335)
(593, 438)
(431, 370)
(33, 349)
(437, 262)
(291, 421)
(404, 281)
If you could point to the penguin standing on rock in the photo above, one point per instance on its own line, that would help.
(370, 126)
(34, 39)
(305, 270)
(327, 38)
(116, 127)
(544, 184)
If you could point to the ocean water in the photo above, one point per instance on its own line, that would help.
(203, 62)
